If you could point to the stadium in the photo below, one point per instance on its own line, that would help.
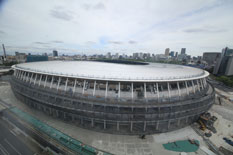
(115, 98)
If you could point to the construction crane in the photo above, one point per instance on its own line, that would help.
(4, 53)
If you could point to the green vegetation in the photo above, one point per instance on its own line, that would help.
(9, 63)
(227, 80)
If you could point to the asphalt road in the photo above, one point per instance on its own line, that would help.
(10, 144)
(220, 85)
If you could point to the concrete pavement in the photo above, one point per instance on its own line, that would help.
(10, 143)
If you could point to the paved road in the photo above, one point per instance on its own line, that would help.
(10, 144)
(220, 85)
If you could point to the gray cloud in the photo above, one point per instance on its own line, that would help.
(132, 42)
(57, 41)
(2, 32)
(115, 42)
(61, 14)
(41, 43)
(86, 6)
(99, 6)
(201, 30)
(90, 43)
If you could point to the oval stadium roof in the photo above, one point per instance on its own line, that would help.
(115, 72)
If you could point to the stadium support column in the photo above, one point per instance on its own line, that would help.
(144, 127)
(186, 85)
(119, 90)
(28, 77)
(21, 75)
(201, 84)
(45, 80)
(194, 90)
(168, 88)
(40, 79)
(35, 79)
(24, 76)
(59, 80)
(178, 86)
(31, 78)
(204, 82)
(131, 126)
(25, 79)
(84, 85)
(106, 90)
(145, 90)
(75, 82)
(198, 85)
(66, 84)
(94, 88)
(132, 90)
(157, 86)
(51, 84)
(18, 74)
(15, 72)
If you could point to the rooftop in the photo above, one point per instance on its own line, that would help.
(115, 72)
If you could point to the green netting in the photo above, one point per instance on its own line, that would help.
(182, 146)
(62, 138)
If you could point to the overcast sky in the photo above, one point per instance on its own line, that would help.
(123, 26)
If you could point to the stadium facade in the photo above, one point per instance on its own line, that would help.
(115, 98)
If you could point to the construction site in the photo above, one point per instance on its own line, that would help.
(210, 133)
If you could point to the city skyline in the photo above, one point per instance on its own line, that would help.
(116, 26)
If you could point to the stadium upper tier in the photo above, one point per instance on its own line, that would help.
(153, 72)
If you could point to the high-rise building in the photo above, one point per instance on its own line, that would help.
(224, 65)
(108, 55)
(183, 51)
(55, 53)
(172, 54)
(167, 50)
(176, 54)
(211, 57)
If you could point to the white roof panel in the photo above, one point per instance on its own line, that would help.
(114, 71)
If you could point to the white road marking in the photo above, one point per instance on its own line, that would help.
(13, 133)
(12, 146)
(4, 151)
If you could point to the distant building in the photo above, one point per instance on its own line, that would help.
(160, 57)
(108, 55)
(140, 55)
(167, 50)
(135, 55)
(172, 54)
(20, 57)
(183, 51)
(55, 53)
(224, 65)
(176, 54)
(34, 58)
(211, 58)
